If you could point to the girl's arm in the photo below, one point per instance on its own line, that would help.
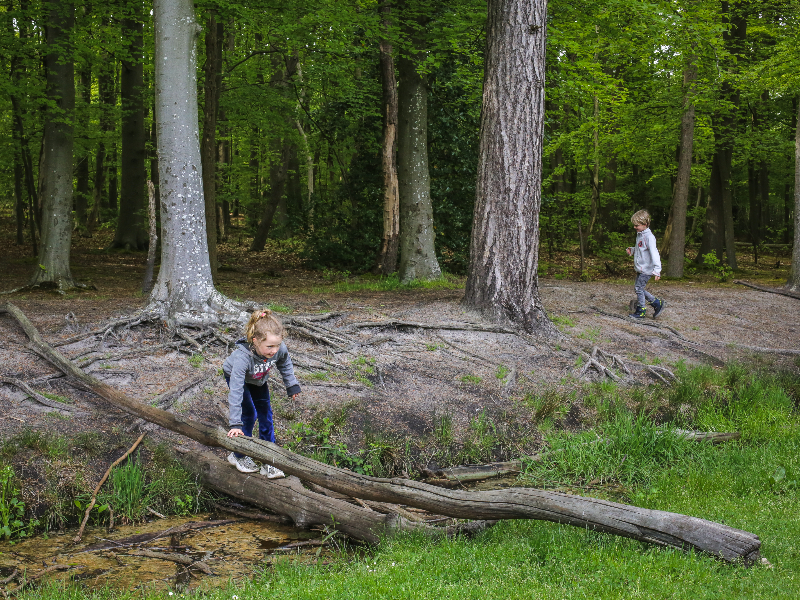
(236, 393)
(285, 366)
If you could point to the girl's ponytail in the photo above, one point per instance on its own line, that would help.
(262, 322)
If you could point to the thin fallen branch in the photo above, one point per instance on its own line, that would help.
(768, 290)
(446, 326)
(89, 508)
(131, 353)
(34, 395)
(8, 579)
(762, 350)
(467, 352)
(658, 527)
(42, 573)
(146, 538)
(253, 515)
(181, 559)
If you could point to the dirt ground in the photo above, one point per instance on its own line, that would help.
(392, 383)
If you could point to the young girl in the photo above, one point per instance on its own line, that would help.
(246, 372)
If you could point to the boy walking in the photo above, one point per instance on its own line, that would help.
(647, 263)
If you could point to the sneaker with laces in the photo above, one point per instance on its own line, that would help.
(244, 464)
(271, 472)
(658, 305)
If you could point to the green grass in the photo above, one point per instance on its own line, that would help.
(390, 283)
(470, 379)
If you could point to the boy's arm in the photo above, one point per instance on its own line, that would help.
(236, 393)
(655, 256)
(285, 366)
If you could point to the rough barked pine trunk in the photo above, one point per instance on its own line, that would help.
(386, 261)
(680, 201)
(131, 232)
(417, 251)
(184, 292)
(502, 281)
(208, 148)
(53, 264)
(793, 284)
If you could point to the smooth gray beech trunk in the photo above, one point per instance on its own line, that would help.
(56, 222)
(131, 232)
(184, 292)
(677, 239)
(502, 281)
(386, 261)
(793, 284)
(417, 252)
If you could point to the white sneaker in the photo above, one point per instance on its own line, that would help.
(244, 464)
(271, 472)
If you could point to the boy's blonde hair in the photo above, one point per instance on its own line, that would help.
(641, 217)
(262, 322)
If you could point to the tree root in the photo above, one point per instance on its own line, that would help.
(34, 395)
(415, 325)
(768, 290)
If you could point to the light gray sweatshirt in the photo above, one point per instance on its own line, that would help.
(244, 365)
(645, 254)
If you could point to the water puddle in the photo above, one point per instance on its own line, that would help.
(183, 553)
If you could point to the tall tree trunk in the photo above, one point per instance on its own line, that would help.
(386, 261)
(105, 88)
(502, 281)
(208, 149)
(53, 265)
(19, 199)
(184, 292)
(680, 201)
(755, 203)
(713, 238)
(277, 181)
(82, 190)
(793, 283)
(131, 230)
(417, 251)
(223, 159)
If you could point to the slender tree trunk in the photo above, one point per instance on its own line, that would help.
(208, 149)
(53, 265)
(223, 159)
(680, 201)
(154, 159)
(82, 190)
(131, 230)
(793, 283)
(105, 88)
(184, 292)
(502, 281)
(417, 251)
(19, 200)
(277, 180)
(386, 261)
(755, 203)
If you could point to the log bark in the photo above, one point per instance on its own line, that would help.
(793, 283)
(502, 281)
(658, 527)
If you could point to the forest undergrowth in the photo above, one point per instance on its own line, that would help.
(629, 452)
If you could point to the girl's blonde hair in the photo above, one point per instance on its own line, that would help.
(262, 322)
(641, 217)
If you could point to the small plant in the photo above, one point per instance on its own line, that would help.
(561, 322)
(592, 334)
(470, 379)
(443, 429)
(12, 509)
(130, 495)
(196, 360)
(279, 308)
(502, 372)
(722, 271)
(56, 397)
(433, 347)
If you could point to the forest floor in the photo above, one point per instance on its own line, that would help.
(399, 399)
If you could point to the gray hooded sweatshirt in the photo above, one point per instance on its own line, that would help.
(244, 365)
(645, 254)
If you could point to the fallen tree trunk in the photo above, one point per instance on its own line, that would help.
(305, 507)
(659, 527)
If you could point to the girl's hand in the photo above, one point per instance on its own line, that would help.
(235, 432)
(657, 277)
(628, 250)
(295, 397)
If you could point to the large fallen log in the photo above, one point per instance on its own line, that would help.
(658, 527)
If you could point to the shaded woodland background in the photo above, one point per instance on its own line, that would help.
(292, 120)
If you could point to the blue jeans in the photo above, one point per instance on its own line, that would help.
(641, 293)
(255, 403)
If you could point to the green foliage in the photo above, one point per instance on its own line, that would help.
(196, 360)
(474, 379)
(129, 494)
(502, 372)
(318, 443)
(12, 508)
(722, 271)
(562, 321)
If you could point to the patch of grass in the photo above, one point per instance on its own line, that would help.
(56, 397)
(196, 360)
(129, 495)
(88, 443)
(279, 308)
(434, 347)
(443, 429)
(502, 372)
(547, 407)
(318, 376)
(590, 333)
(474, 379)
(562, 321)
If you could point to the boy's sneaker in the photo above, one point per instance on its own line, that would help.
(271, 472)
(638, 312)
(244, 464)
(658, 305)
